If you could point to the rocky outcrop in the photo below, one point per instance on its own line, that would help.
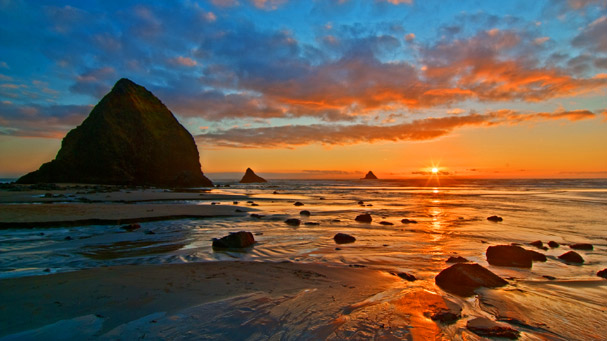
(129, 138)
(463, 278)
(235, 240)
(250, 177)
(370, 176)
(509, 255)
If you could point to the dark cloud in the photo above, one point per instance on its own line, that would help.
(593, 36)
(40, 121)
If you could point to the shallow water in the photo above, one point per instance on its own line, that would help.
(451, 220)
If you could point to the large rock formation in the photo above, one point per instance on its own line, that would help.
(129, 138)
(251, 177)
(370, 176)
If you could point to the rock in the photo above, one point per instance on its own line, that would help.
(581, 246)
(487, 328)
(509, 255)
(405, 276)
(298, 204)
(235, 240)
(68, 238)
(552, 278)
(311, 223)
(250, 177)
(445, 316)
(385, 223)
(370, 176)
(131, 227)
(457, 259)
(364, 218)
(255, 215)
(129, 138)
(342, 238)
(305, 213)
(553, 244)
(537, 256)
(602, 273)
(495, 218)
(408, 221)
(360, 202)
(293, 222)
(572, 257)
(537, 243)
(463, 278)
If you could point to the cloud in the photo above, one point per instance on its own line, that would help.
(417, 130)
(40, 121)
(225, 3)
(398, 2)
(269, 5)
(593, 36)
(184, 61)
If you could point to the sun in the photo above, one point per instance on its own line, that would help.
(434, 170)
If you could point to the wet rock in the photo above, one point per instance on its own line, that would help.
(255, 215)
(495, 218)
(537, 256)
(572, 257)
(487, 328)
(602, 273)
(235, 240)
(509, 255)
(552, 278)
(463, 278)
(553, 244)
(446, 316)
(406, 276)
(385, 223)
(298, 204)
(311, 223)
(581, 246)
(293, 222)
(131, 227)
(335, 221)
(457, 259)
(408, 221)
(537, 243)
(305, 213)
(360, 202)
(342, 238)
(364, 218)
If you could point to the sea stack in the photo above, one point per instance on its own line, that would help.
(129, 138)
(370, 176)
(250, 177)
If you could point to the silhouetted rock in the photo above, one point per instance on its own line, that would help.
(537, 256)
(408, 221)
(509, 255)
(553, 244)
(463, 278)
(131, 227)
(370, 176)
(572, 257)
(457, 259)
(406, 276)
(313, 223)
(602, 273)
(487, 328)
(364, 218)
(537, 243)
(495, 218)
(385, 223)
(129, 138)
(298, 203)
(342, 238)
(581, 246)
(250, 177)
(293, 222)
(305, 213)
(235, 240)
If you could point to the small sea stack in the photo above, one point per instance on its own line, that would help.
(370, 176)
(250, 177)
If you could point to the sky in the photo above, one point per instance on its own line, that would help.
(322, 88)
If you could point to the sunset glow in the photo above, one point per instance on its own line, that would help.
(308, 89)
(434, 170)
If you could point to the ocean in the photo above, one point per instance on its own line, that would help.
(451, 220)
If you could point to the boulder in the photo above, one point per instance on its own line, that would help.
(487, 328)
(581, 246)
(342, 238)
(298, 203)
(537, 243)
(305, 213)
(250, 177)
(385, 223)
(235, 240)
(509, 255)
(364, 218)
(537, 256)
(129, 138)
(293, 222)
(553, 244)
(457, 259)
(408, 221)
(463, 278)
(572, 257)
(370, 176)
(602, 273)
(495, 218)
(406, 276)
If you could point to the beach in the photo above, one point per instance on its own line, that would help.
(69, 266)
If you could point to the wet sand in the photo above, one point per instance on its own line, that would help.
(222, 300)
